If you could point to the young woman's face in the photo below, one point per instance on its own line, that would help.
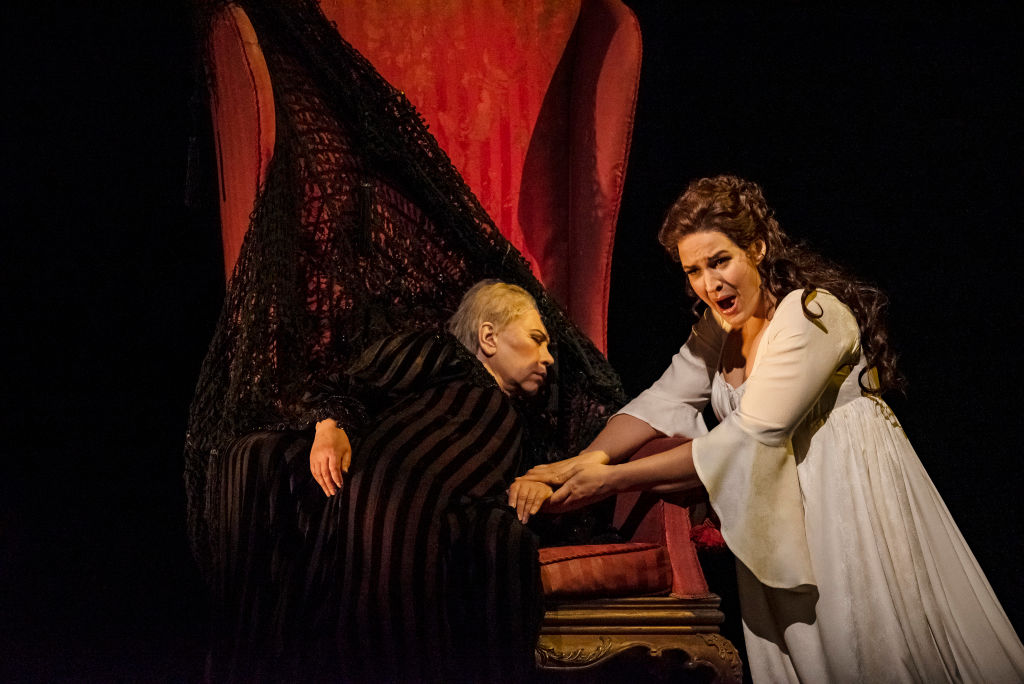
(723, 275)
(521, 356)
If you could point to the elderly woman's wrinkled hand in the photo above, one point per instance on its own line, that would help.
(559, 472)
(527, 497)
(329, 456)
(588, 483)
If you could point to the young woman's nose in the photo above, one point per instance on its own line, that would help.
(712, 282)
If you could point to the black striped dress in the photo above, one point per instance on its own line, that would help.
(417, 570)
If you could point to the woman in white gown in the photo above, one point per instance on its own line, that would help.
(850, 567)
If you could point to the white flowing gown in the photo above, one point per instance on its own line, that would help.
(850, 567)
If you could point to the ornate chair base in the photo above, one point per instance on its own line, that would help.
(651, 637)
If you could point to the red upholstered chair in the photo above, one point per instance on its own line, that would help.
(533, 102)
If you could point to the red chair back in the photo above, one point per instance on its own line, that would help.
(533, 102)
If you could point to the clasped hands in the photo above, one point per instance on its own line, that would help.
(581, 480)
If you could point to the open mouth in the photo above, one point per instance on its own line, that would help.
(726, 304)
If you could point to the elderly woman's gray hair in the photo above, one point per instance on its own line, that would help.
(490, 301)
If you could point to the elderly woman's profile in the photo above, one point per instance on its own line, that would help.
(397, 573)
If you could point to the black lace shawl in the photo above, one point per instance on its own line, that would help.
(363, 228)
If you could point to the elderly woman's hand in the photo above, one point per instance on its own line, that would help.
(588, 483)
(527, 496)
(329, 456)
(558, 472)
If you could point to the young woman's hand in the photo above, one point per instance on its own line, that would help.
(329, 456)
(588, 483)
(527, 497)
(558, 472)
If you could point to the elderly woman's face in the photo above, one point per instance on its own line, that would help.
(723, 275)
(521, 356)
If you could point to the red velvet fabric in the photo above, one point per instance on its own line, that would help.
(242, 105)
(606, 75)
(532, 100)
(478, 72)
(600, 570)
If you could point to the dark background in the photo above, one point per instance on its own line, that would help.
(885, 138)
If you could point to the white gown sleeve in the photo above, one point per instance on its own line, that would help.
(673, 404)
(747, 462)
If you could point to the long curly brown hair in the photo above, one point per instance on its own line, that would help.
(737, 208)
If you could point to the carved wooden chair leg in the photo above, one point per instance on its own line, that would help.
(660, 638)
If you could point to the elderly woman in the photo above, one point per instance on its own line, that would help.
(849, 564)
(413, 567)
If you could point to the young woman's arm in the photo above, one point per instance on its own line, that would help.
(671, 406)
(623, 435)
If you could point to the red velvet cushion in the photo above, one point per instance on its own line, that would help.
(597, 570)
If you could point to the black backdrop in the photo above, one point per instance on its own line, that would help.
(885, 138)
